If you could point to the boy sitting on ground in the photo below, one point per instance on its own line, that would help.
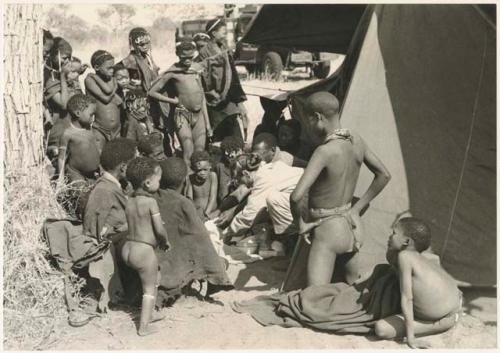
(102, 86)
(78, 158)
(330, 179)
(430, 299)
(145, 233)
(182, 83)
(202, 185)
(152, 146)
(231, 147)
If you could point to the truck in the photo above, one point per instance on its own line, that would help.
(268, 61)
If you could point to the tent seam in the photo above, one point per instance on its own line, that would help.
(467, 148)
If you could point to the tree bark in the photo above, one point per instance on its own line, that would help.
(23, 83)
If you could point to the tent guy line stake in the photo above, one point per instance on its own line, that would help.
(467, 148)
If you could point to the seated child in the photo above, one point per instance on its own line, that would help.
(202, 185)
(182, 83)
(430, 299)
(102, 86)
(289, 136)
(231, 147)
(146, 232)
(78, 158)
(152, 146)
(139, 122)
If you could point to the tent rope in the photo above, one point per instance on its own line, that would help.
(467, 148)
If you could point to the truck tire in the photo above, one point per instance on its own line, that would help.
(322, 69)
(272, 65)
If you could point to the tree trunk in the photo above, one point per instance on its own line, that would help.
(23, 84)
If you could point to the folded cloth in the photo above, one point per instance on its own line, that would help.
(336, 307)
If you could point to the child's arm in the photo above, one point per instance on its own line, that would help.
(158, 226)
(61, 99)
(61, 159)
(106, 87)
(382, 177)
(212, 199)
(208, 127)
(154, 91)
(311, 173)
(96, 91)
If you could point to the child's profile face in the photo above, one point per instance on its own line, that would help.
(202, 169)
(286, 136)
(231, 155)
(64, 57)
(106, 68)
(158, 154)
(122, 77)
(86, 117)
(397, 240)
(152, 183)
(220, 34)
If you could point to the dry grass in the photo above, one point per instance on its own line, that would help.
(33, 289)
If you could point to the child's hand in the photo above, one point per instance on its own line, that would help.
(210, 133)
(306, 227)
(167, 247)
(418, 344)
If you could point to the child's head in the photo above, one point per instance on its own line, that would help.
(174, 171)
(201, 39)
(140, 40)
(216, 29)
(116, 154)
(321, 110)
(48, 42)
(120, 72)
(144, 173)
(185, 49)
(244, 167)
(200, 164)
(76, 68)
(103, 62)
(231, 147)
(60, 53)
(264, 145)
(410, 233)
(288, 133)
(82, 108)
(152, 146)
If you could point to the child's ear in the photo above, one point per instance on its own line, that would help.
(318, 116)
(407, 242)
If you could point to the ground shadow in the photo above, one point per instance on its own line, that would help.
(270, 271)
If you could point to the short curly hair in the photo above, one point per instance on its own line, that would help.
(116, 152)
(79, 102)
(139, 169)
(200, 156)
(174, 172)
(148, 142)
(231, 144)
(417, 230)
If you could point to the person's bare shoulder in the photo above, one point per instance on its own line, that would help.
(408, 257)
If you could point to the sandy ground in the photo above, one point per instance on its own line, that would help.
(192, 324)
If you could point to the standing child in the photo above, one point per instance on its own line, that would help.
(231, 147)
(146, 231)
(430, 299)
(102, 86)
(202, 185)
(330, 178)
(182, 83)
(78, 153)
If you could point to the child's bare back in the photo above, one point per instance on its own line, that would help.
(139, 217)
(435, 294)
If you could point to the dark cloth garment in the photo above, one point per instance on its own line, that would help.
(230, 126)
(336, 307)
(105, 210)
(220, 75)
(193, 256)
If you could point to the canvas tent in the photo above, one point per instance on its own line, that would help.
(419, 84)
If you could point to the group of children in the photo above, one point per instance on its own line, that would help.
(118, 104)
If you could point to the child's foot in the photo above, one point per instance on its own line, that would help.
(146, 330)
(157, 316)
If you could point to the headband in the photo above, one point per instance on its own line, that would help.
(99, 57)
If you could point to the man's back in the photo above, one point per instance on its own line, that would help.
(336, 182)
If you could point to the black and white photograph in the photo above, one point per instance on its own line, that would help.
(249, 176)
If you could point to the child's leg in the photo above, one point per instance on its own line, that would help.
(157, 316)
(394, 326)
(332, 237)
(199, 132)
(186, 139)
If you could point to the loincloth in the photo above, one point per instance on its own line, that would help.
(184, 116)
(109, 135)
(340, 212)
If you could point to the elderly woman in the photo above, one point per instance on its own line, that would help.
(223, 89)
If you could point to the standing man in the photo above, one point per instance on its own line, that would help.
(223, 89)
